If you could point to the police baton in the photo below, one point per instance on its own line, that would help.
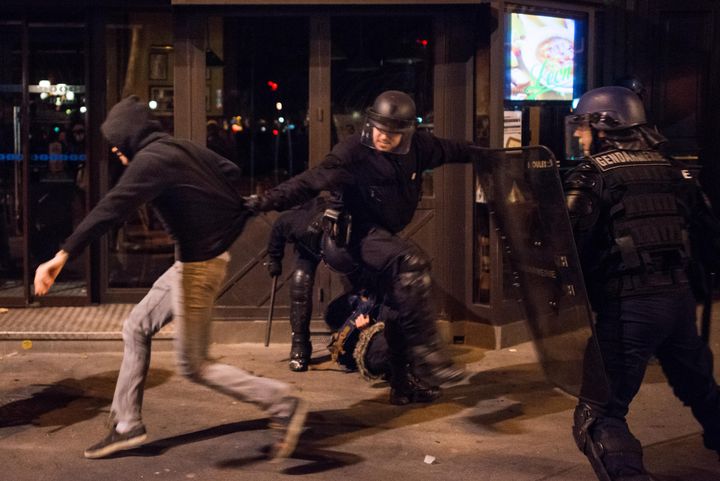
(268, 327)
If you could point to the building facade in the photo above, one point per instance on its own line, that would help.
(274, 85)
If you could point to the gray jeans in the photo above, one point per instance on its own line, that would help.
(186, 292)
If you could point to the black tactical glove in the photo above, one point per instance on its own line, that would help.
(252, 203)
(256, 203)
(274, 267)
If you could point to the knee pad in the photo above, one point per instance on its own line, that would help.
(413, 279)
(301, 284)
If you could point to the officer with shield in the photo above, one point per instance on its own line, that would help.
(378, 173)
(641, 223)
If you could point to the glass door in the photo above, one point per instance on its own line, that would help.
(12, 235)
(265, 107)
(140, 61)
(57, 147)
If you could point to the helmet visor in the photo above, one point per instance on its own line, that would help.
(387, 135)
(578, 137)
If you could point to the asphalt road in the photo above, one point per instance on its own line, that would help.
(504, 423)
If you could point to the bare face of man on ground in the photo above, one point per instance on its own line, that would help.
(385, 141)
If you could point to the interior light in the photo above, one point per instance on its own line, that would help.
(153, 104)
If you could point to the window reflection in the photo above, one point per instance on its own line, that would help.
(57, 96)
(265, 99)
(11, 234)
(140, 61)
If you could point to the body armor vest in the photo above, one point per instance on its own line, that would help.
(647, 219)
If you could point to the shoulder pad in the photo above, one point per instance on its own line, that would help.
(584, 177)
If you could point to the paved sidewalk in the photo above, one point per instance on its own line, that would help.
(505, 423)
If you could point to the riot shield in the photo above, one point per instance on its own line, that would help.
(525, 197)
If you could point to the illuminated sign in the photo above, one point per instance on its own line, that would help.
(542, 63)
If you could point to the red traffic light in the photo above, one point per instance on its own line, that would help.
(273, 85)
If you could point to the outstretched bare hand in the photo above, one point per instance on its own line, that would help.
(47, 272)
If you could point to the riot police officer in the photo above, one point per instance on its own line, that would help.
(301, 227)
(359, 341)
(635, 215)
(378, 173)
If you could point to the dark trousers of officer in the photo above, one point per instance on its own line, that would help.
(404, 274)
(631, 329)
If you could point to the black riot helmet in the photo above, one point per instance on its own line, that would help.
(611, 108)
(633, 83)
(392, 114)
(613, 111)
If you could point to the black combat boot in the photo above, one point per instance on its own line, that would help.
(614, 452)
(433, 365)
(409, 389)
(300, 352)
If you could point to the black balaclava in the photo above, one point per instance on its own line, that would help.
(129, 124)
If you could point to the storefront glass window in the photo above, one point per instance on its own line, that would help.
(57, 146)
(257, 100)
(140, 61)
(11, 186)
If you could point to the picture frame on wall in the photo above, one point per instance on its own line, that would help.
(164, 96)
(158, 66)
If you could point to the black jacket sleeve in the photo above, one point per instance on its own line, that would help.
(279, 236)
(583, 196)
(332, 173)
(438, 151)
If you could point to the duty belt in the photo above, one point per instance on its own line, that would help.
(631, 284)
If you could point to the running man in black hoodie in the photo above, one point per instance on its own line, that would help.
(193, 191)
